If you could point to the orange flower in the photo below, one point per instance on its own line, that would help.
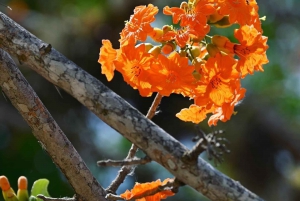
(134, 64)
(181, 36)
(224, 112)
(240, 11)
(210, 74)
(218, 79)
(138, 27)
(106, 58)
(142, 189)
(193, 16)
(251, 51)
(172, 74)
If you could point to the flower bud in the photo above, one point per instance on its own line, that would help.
(223, 43)
(167, 28)
(223, 23)
(22, 193)
(155, 51)
(219, 41)
(156, 34)
(196, 51)
(148, 46)
(212, 49)
(7, 192)
(168, 48)
(196, 75)
(197, 72)
(215, 17)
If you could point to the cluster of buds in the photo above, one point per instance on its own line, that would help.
(188, 61)
(9, 193)
(39, 188)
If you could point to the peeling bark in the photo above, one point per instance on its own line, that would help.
(117, 113)
(46, 130)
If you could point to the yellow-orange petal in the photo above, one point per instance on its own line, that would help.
(106, 57)
(194, 113)
(139, 189)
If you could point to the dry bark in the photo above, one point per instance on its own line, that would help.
(116, 112)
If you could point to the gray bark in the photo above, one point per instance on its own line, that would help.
(117, 113)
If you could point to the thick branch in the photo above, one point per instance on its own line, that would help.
(117, 113)
(46, 130)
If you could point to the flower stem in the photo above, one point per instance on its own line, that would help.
(154, 106)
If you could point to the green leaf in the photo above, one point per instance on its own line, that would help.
(33, 198)
(40, 186)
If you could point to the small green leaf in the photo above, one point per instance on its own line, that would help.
(32, 198)
(40, 186)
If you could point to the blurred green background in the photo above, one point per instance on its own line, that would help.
(264, 136)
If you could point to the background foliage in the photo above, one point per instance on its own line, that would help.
(264, 135)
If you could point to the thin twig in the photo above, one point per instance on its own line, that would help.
(193, 154)
(47, 131)
(125, 170)
(129, 162)
(55, 199)
(132, 151)
(214, 146)
(113, 197)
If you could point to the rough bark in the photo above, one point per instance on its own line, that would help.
(46, 130)
(117, 113)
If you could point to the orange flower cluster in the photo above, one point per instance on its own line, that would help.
(140, 190)
(188, 61)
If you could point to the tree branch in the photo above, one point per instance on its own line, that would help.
(129, 162)
(55, 199)
(47, 131)
(125, 170)
(117, 113)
